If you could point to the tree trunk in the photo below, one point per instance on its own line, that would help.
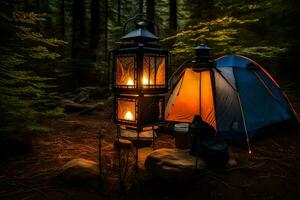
(106, 29)
(151, 13)
(103, 29)
(78, 26)
(46, 27)
(173, 15)
(26, 5)
(78, 35)
(62, 19)
(95, 28)
(105, 40)
(37, 8)
(199, 9)
(119, 13)
(141, 5)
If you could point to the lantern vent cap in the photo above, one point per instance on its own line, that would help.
(141, 22)
(140, 33)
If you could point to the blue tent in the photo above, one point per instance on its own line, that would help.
(241, 101)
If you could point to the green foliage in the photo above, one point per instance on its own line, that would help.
(226, 35)
(24, 95)
(263, 30)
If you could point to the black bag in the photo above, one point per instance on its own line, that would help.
(200, 130)
(214, 152)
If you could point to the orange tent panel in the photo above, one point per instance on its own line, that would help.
(207, 99)
(192, 96)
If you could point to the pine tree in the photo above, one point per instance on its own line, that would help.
(24, 95)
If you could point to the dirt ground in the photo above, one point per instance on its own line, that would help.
(271, 172)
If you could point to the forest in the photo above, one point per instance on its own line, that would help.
(56, 94)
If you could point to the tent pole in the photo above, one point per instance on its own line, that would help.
(200, 95)
(180, 85)
(283, 94)
(213, 88)
(244, 123)
(290, 106)
(218, 71)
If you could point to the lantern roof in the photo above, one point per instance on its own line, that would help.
(202, 50)
(202, 47)
(203, 57)
(140, 33)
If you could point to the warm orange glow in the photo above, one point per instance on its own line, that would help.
(196, 87)
(145, 81)
(130, 82)
(126, 110)
(124, 70)
(128, 116)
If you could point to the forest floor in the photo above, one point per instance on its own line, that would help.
(271, 172)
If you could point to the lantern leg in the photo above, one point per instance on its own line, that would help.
(153, 135)
(137, 151)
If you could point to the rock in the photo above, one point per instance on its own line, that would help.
(80, 172)
(71, 106)
(123, 144)
(85, 93)
(172, 165)
(98, 106)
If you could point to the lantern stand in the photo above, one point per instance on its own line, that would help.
(140, 81)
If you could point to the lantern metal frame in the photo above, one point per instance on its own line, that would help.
(141, 102)
(138, 53)
(149, 99)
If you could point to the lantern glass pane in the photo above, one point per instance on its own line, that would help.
(125, 73)
(148, 70)
(154, 70)
(127, 109)
(161, 71)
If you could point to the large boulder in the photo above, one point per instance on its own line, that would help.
(80, 172)
(173, 165)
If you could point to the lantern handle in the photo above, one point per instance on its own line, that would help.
(140, 18)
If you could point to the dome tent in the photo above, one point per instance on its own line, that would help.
(237, 97)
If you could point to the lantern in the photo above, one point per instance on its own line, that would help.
(140, 71)
(140, 64)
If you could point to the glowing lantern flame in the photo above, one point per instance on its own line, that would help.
(128, 115)
(145, 81)
(130, 82)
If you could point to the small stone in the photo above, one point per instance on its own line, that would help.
(231, 162)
